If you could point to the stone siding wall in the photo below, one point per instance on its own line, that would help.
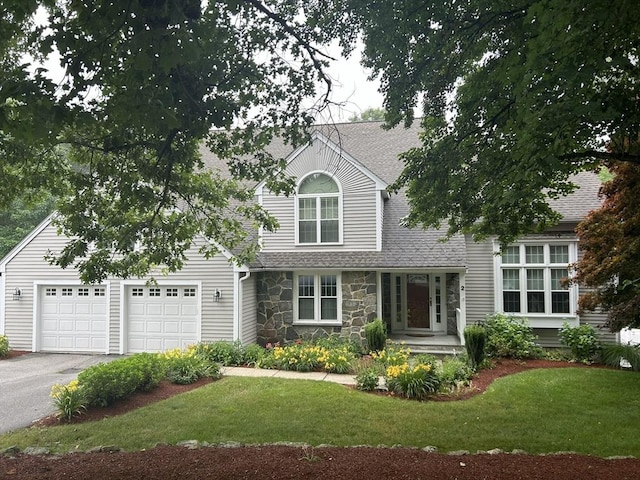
(275, 308)
(453, 302)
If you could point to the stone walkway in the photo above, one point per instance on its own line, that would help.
(262, 372)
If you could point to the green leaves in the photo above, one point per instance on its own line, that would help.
(144, 85)
(516, 97)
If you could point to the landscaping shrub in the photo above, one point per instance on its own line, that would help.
(222, 352)
(392, 354)
(375, 333)
(4, 345)
(68, 399)
(105, 383)
(300, 357)
(253, 353)
(509, 336)
(184, 367)
(337, 359)
(367, 380)
(335, 341)
(455, 372)
(581, 340)
(475, 337)
(415, 382)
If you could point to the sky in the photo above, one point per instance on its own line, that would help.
(351, 87)
(352, 91)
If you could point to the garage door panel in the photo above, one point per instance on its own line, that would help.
(81, 309)
(136, 309)
(154, 309)
(189, 328)
(189, 310)
(170, 319)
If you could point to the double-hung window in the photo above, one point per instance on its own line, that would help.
(532, 279)
(317, 298)
(318, 210)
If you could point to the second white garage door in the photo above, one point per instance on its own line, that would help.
(161, 318)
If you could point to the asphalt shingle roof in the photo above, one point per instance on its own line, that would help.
(378, 149)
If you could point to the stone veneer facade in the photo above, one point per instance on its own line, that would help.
(359, 306)
(275, 308)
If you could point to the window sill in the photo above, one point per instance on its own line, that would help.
(323, 323)
(549, 321)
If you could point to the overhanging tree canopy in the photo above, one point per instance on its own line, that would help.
(145, 83)
(517, 96)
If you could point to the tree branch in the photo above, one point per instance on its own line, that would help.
(312, 51)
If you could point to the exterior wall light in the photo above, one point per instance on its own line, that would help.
(17, 294)
(217, 294)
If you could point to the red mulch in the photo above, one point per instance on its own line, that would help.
(282, 462)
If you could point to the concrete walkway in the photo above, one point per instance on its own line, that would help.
(262, 372)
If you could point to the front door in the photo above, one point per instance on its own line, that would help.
(418, 301)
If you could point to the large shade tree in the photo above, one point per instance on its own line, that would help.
(515, 97)
(143, 84)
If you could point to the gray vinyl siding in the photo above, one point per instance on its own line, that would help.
(249, 311)
(358, 203)
(29, 266)
(479, 285)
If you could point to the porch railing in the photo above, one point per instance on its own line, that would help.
(459, 326)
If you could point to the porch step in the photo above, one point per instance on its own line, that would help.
(437, 350)
(440, 345)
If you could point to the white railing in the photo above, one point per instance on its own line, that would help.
(459, 326)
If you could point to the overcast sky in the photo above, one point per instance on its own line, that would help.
(351, 87)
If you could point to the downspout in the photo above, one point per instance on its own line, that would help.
(237, 330)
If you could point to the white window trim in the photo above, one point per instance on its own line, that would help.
(538, 320)
(317, 196)
(318, 321)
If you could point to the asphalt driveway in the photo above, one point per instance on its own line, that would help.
(26, 381)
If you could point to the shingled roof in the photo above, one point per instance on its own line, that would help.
(377, 149)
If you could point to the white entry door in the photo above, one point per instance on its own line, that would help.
(160, 318)
(72, 318)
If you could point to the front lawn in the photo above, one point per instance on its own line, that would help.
(585, 410)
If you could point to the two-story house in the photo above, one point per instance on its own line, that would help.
(340, 258)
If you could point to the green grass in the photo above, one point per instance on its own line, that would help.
(589, 411)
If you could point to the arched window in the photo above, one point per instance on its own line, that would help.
(318, 209)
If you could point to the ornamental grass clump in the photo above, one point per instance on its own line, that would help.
(68, 399)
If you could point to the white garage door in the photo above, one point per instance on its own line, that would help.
(161, 318)
(73, 318)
